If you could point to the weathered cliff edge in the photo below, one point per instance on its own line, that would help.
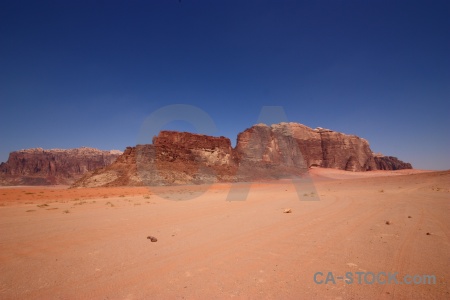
(261, 152)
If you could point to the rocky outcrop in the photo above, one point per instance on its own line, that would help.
(56, 166)
(261, 152)
(390, 163)
(268, 152)
(297, 145)
(173, 158)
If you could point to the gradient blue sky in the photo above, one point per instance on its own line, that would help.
(88, 73)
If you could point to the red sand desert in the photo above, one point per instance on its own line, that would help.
(59, 243)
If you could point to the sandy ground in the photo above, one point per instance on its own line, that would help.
(59, 243)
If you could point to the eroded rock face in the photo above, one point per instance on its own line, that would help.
(345, 152)
(266, 152)
(262, 152)
(56, 166)
(173, 158)
(293, 144)
(183, 157)
(390, 163)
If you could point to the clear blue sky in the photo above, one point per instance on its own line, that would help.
(88, 73)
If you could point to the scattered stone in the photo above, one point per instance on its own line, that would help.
(428, 233)
(388, 223)
(287, 211)
(409, 217)
(152, 238)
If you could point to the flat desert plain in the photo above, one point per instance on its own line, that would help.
(60, 243)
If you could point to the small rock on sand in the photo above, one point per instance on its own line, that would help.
(287, 211)
(152, 238)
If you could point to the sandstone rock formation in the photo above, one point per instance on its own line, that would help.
(300, 146)
(390, 163)
(56, 166)
(261, 152)
(173, 158)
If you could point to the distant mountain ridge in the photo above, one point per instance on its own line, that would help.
(261, 152)
(38, 166)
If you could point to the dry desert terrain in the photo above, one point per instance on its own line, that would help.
(60, 243)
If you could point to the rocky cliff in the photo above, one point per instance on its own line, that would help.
(390, 163)
(297, 145)
(56, 166)
(261, 152)
(173, 158)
